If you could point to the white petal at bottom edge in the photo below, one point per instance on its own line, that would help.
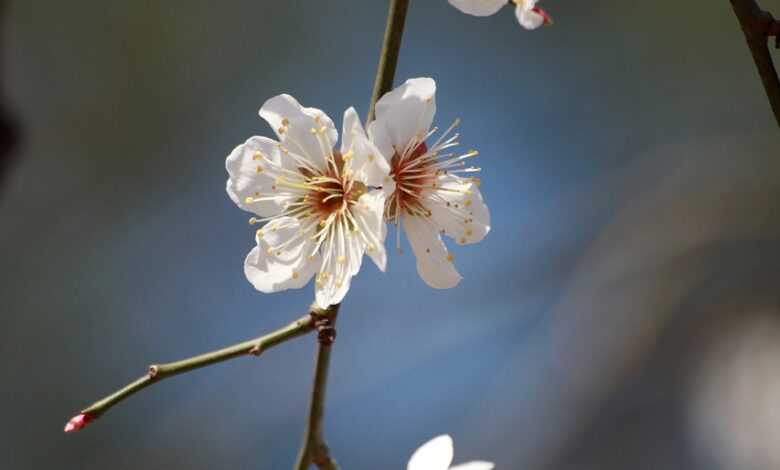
(478, 7)
(476, 465)
(435, 454)
(433, 263)
(289, 269)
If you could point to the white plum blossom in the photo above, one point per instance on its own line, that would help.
(319, 205)
(436, 454)
(430, 190)
(528, 14)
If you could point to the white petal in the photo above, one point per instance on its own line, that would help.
(368, 163)
(288, 268)
(351, 124)
(476, 465)
(369, 213)
(433, 261)
(297, 134)
(245, 180)
(478, 7)
(435, 454)
(528, 18)
(403, 114)
(458, 208)
(342, 259)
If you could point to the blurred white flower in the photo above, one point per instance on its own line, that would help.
(428, 194)
(436, 454)
(528, 14)
(321, 212)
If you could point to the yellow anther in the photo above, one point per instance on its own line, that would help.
(281, 130)
(248, 200)
(469, 232)
(259, 169)
(341, 259)
(259, 233)
(323, 129)
(371, 248)
(257, 156)
(296, 275)
(371, 157)
(467, 202)
(462, 240)
(313, 130)
(450, 257)
(252, 221)
(348, 156)
(285, 122)
(338, 284)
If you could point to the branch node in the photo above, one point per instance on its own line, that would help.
(326, 331)
(154, 371)
(257, 349)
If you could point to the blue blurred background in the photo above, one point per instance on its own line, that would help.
(623, 312)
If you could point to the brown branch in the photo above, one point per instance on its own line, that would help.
(158, 372)
(388, 59)
(314, 449)
(758, 25)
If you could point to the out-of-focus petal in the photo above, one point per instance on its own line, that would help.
(478, 7)
(435, 454)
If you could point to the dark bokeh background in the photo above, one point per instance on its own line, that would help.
(622, 314)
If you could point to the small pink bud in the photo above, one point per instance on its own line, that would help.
(79, 422)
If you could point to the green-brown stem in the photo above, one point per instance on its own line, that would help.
(314, 449)
(388, 59)
(159, 372)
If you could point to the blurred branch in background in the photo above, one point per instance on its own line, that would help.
(8, 129)
(758, 26)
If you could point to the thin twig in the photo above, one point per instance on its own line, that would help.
(758, 25)
(314, 449)
(159, 372)
(388, 59)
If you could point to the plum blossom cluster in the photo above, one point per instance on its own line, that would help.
(528, 14)
(320, 208)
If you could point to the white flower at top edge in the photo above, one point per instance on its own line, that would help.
(528, 14)
(431, 188)
(436, 454)
(318, 204)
